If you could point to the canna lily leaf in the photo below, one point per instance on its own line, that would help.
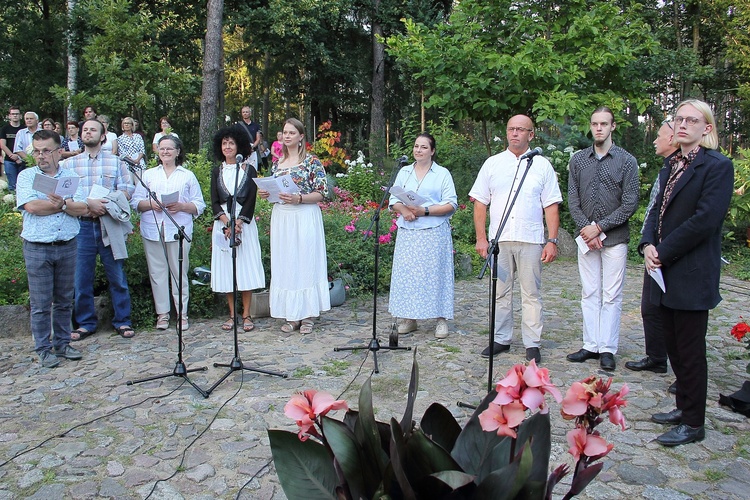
(305, 468)
(439, 424)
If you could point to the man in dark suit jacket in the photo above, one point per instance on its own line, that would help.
(682, 238)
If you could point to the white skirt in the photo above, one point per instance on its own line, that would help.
(250, 274)
(299, 274)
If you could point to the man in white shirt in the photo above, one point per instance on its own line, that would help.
(522, 247)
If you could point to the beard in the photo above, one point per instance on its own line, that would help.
(92, 143)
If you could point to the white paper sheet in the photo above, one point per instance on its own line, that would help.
(62, 186)
(277, 185)
(582, 246)
(169, 198)
(408, 198)
(658, 276)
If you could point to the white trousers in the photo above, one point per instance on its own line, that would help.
(602, 280)
(522, 260)
(163, 266)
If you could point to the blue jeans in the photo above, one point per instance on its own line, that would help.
(12, 170)
(89, 246)
(50, 270)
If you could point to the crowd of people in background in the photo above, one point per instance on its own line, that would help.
(517, 188)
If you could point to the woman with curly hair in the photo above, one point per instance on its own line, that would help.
(299, 279)
(227, 144)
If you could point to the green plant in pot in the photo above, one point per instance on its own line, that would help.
(500, 453)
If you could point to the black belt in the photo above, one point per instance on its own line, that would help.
(89, 219)
(57, 243)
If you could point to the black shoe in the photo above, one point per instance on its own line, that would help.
(647, 364)
(607, 361)
(68, 352)
(682, 434)
(533, 353)
(582, 355)
(672, 417)
(673, 388)
(496, 349)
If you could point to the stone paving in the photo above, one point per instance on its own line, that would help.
(78, 431)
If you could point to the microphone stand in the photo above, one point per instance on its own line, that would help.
(236, 364)
(180, 369)
(374, 345)
(492, 252)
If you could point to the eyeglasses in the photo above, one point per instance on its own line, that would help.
(166, 150)
(518, 129)
(668, 123)
(689, 120)
(44, 152)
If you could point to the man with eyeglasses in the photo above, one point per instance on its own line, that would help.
(99, 168)
(50, 226)
(656, 353)
(522, 247)
(13, 163)
(602, 196)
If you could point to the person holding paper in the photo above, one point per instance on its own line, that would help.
(180, 193)
(602, 196)
(422, 273)
(100, 173)
(682, 237)
(299, 277)
(522, 246)
(656, 353)
(50, 226)
(227, 144)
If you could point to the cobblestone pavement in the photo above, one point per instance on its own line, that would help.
(78, 431)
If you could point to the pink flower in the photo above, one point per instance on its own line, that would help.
(589, 445)
(502, 418)
(576, 401)
(393, 227)
(307, 406)
(349, 228)
(509, 389)
(613, 402)
(385, 238)
(538, 378)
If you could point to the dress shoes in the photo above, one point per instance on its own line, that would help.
(647, 364)
(533, 353)
(682, 434)
(582, 355)
(672, 417)
(673, 388)
(607, 361)
(496, 349)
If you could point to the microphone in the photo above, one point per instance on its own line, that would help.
(403, 159)
(532, 153)
(239, 159)
(131, 164)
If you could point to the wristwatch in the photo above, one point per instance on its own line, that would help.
(426, 211)
(64, 205)
(552, 240)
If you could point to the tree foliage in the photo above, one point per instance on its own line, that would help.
(551, 59)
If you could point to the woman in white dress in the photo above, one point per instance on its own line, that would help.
(299, 278)
(227, 144)
(110, 145)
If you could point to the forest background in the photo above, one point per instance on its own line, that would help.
(369, 75)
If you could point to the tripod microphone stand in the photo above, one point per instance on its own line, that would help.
(374, 344)
(236, 364)
(492, 252)
(180, 369)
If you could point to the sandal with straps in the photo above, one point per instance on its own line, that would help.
(290, 326)
(307, 327)
(227, 325)
(247, 324)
